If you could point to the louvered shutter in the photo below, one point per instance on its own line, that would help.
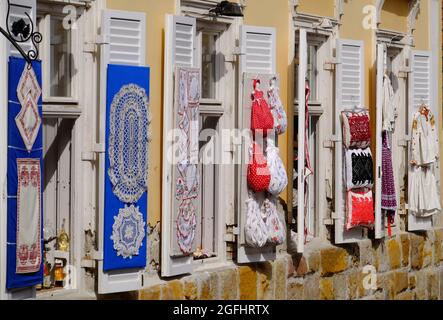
(379, 217)
(420, 92)
(21, 9)
(258, 48)
(349, 93)
(124, 35)
(180, 37)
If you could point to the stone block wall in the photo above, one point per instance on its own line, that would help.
(407, 267)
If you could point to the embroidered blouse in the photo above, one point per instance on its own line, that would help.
(424, 138)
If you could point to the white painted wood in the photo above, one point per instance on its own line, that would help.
(349, 93)
(420, 92)
(379, 217)
(302, 71)
(257, 60)
(180, 38)
(4, 48)
(116, 50)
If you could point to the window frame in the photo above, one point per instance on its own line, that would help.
(44, 14)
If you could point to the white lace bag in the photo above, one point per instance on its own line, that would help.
(279, 178)
(256, 230)
(277, 109)
(276, 227)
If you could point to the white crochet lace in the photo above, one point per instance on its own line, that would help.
(129, 139)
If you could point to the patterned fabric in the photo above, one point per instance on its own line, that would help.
(390, 102)
(28, 120)
(279, 178)
(129, 142)
(24, 225)
(258, 176)
(278, 112)
(276, 227)
(256, 230)
(128, 232)
(359, 169)
(388, 195)
(186, 175)
(360, 209)
(356, 129)
(186, 226)
(261, 116)
(127, 132)
(424, 138)
(29, 253)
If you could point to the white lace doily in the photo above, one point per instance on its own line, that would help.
(128, 232)
(129, 139)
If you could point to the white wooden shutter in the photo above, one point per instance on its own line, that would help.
(258, 56)
(302, 70)
(349, 92)
(379, 217)
(419, 92)
(180, 38)
(124, 36)
(19, 9)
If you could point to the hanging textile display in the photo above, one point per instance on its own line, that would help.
(29, 251)
(279, 178)
(390, 102)
(127, 158)
(256, 230)
(358, 173)
(360, 208)
(259, 176)
(388, 195)
(24, 180)
(356, 129)
(186, 174)
(276, 227)
(359, 169)
(261, 117)
(278, 112)
(423, 194)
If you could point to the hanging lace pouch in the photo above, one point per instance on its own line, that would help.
(276, 227)
(279, 178)
(359, 169)
(256, 231)
(278, 112)
(258, 175)
(360, 209)
(356, 129)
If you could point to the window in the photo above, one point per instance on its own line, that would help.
(58, 73)
(312, 71)
(211, 110)
(57, 51)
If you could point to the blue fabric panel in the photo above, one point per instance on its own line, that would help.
(17, 149)
(118, 76)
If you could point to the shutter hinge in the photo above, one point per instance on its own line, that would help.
(238, 51)
(330, 65)
(404, 142)
(328, 222)
(334, 215)
(330, 143)
(91, 47)
(99, 148)
(403, 72)
(97, 255)
(102, 39)
(88, 156)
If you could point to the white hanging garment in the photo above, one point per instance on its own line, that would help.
(423, 195)
(278, 112)
(424, 147)
(279, 178)
(256, 230)
(389, 106)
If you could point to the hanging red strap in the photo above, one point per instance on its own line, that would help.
(255, 82)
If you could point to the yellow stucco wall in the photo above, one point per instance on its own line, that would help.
(257, 14)
(325, 8)
(394, 15)
(421, 33)
(155, 20)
